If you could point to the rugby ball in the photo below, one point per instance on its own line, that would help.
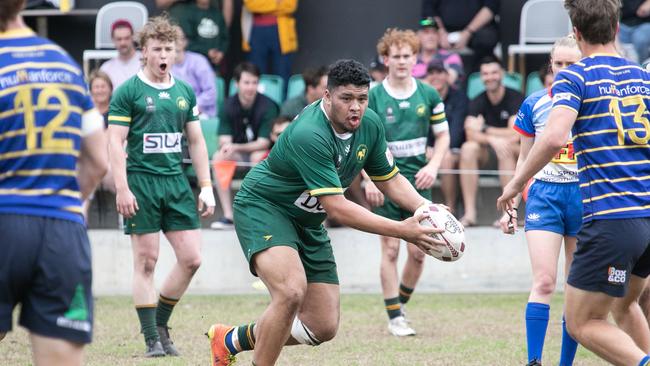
(453, 236)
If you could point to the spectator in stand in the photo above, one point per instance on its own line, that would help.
(430, 52)
(378, 71)
(279, 125)
(226, 6)
(269, 35)
(546, 76)
(456, 108)
(245, 125)
(465, 23)
(194, 69)
(634, 27)
(101, 90)
(489, 126)
(315, 85)
(204, 28)
(127, 63)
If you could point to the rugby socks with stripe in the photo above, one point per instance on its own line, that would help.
(147, 316)
(241, 338)
(645, 361)
(536, 323)
(164, 309)
(393, 307)
(569, 347)
(404, 293)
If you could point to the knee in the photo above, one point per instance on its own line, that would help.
(469, 152)
(416, 256)
(390, 253)
(327, 332)
(573, 329)
(290, 296)
(192, 265)
(544, 285)
(146, 263)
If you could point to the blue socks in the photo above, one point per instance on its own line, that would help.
(645, 361)
(569, 347)
(536, 324)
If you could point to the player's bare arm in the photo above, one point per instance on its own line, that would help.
(426, 177)
(508, 221)
(125, 200)
(199, 155)
(349, 213)
(373, 195)
(553, 138)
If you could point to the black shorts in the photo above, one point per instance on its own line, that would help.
(45, 265)
(608, 252)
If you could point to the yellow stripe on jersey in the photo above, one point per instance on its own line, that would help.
(40, 192)
(40, 65)
(388, 176)
(72, 87)
(562, 81)
(608, 130)
(14, 133)
(574, 74)
(615, 194)
(615, 68)
(607, 114)
(119, 119)
(615, 147)
(319, 191)
(36, 108)
(620, 209)
(617, 180)
(39, 172)
(42, 47)
(610, 81)
(624, 163)
(75, 209)
(566, 107)
(17, 33)
(620, 99)
(21, 153)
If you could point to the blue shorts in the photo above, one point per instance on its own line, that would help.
(608, 252)
(45, 266)
(554, 207)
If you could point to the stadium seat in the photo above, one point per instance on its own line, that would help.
(475, 85)
(533, 83)
(296, 86)
(542, 22)
(209, 127)
(221, 92)
(270, 85)
(136, 13)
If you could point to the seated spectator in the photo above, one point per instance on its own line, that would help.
(378, 71)
(101, 90)
(194, 69)
(431, 52)
(634, 27)
(489, 126)
(279, 125)
(546, 76)
(226, 6)
(127, 63)
(465, 23)
(204, 27)
(244, 130)
(315, 84)
(456, 106)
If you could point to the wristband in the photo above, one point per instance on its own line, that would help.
(205, 183)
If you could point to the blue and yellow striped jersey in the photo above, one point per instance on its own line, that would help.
(42, 100)
(611, 96)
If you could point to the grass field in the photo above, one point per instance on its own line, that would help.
(468, 329)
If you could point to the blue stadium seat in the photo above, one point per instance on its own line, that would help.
(296, 86)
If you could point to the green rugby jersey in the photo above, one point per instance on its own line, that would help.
(407, 122)
(310, 160)
(156, 116)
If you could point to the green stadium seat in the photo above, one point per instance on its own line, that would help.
(209, 128)
(270, 85)
(221, 91)
(296, 86)
(533, 83)
(512, 80)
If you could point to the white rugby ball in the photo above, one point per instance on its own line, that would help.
(453, 236)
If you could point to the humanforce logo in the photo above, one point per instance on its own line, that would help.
(623, 91)
(40, 76)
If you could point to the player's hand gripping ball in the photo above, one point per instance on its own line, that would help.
(453, 236)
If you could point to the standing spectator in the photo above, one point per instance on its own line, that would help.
(465, 23)
(101, 90)
(431, 52)
(456, 108)
(194, 69)
(226, 6)
(269, 35)
(127, 62)
(634, 27)
(315, 85)
(489, 125)
(378, 71)
(204, 27)
(244, 129)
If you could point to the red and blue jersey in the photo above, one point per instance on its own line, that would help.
(610, 136)
(43, 99)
